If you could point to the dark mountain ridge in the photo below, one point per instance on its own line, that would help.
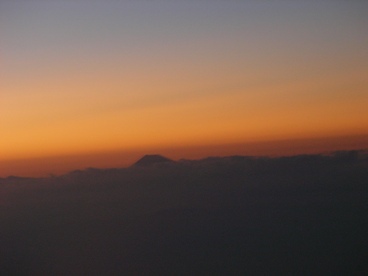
(149, 160)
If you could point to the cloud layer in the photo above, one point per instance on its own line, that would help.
(230, 215)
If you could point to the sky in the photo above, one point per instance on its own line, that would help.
(99, 83)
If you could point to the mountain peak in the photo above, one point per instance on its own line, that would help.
(152, 159)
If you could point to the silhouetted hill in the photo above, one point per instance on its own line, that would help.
(149, 160)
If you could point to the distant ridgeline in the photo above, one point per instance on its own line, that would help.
(149, 160)
(234, 215)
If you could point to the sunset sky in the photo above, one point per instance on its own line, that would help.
(99, 83)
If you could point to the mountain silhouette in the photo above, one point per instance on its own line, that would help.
(149, 160)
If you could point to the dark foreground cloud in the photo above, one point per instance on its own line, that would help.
(217, 216)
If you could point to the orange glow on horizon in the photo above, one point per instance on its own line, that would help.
(221, 119)
(115, 79)
(43, 166)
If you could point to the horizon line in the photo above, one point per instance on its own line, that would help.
(363, 151)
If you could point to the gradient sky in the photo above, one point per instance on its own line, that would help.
(83, 81)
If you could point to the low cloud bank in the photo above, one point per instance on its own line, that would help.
(217, 216)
